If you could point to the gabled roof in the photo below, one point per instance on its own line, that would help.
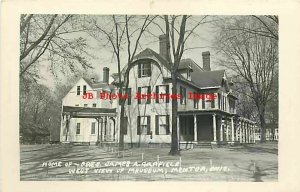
(149, 53)
(199, 77)
(99, 85)
(208, 78)
(185, 63)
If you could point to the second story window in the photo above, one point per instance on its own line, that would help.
(145, 95)
(84, 89)
(85, 105)
(162, 92)
(78, 90)
(196, 102)
(183, 94)
(94, 105)
(144, 69)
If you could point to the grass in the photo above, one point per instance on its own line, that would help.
(253, 163)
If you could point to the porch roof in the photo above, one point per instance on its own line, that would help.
(88, 112)
(206, 111)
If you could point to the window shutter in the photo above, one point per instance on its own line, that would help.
(167, 94)
(181, 100)
(168, 124)
(138, 128)
(129, 96)
(148, 126)
(150, 69)
(157, 93)
(156, 124)
(139, 92)
(149, 92)
(139, 70)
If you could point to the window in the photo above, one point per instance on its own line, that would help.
(162, 125)
(212, 100)
(144, 91)
(144, 69)
(129, 96)
(219, 101)
(162, 92)
(78, 128)
(84, 89)
(183, 93)
(225, 103)
(143, 125)
(196, 102)
(78, 90)
(212, 103)
(77, 105)
(94, 104)
(85, 105)
(93, 128)
(203, 103)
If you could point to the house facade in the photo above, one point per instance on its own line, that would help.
(206, 105)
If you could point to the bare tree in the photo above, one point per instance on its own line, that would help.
(178, 31)
(254, 57)
(51, 38)
(124, 34)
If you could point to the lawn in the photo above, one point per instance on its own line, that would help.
(255, 162)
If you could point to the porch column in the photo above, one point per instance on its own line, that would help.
(232, 130)
(253, 130)
(214, 127)
(195, 128)
(178, 132)
(249, 140)
(240, 131)
(237, 129)
(253, 134)
(227, 133)
(243, 131)
(221, 129)
(247, 132)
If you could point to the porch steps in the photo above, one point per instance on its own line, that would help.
(203, 144)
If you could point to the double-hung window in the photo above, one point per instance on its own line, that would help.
(162, 125)
(144, 69)
(143, 125)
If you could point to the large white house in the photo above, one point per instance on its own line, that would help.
(205, 120)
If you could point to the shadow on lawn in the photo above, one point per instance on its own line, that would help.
(255, 149)
(256, 172)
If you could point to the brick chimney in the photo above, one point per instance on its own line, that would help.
(163, 46)
(106, 75)
(206, 60)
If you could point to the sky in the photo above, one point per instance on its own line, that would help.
(199, 43)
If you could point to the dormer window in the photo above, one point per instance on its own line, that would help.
(188, 73)
(144, 69)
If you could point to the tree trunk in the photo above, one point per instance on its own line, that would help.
(122, 125)
(263, 127)
(174, 137)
